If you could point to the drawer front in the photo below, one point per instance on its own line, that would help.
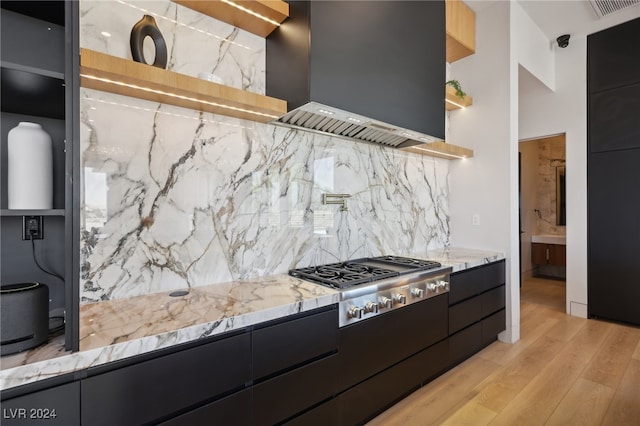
(323, 415)
(282, 346)
(389, 338)
(464, 314)
(465, 343)
(284, 396)
(474, 281)
(492, 301)
(55, 406)
(234, 410)
(492, 326)
(464, 285)
(493, 275)
(157, 388)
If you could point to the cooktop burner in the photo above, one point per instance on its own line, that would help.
(359, 271)
(417, 263)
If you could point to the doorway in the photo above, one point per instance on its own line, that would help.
(542, 170)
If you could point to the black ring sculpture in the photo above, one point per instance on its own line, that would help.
(146, 27)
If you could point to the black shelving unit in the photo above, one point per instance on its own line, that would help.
(40, 83)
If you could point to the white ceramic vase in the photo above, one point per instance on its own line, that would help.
(30, 167)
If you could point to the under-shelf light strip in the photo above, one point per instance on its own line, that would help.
(174, 95)
(251, 12)
(155, 111)
(173, 21)
(435, 151)
(453, 103)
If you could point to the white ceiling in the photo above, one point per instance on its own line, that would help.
(557, 17)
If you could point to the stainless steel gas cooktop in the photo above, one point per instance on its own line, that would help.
(376, 285)
(367, 270)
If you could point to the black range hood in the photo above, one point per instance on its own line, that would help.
(367, 70)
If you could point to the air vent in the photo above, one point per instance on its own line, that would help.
(604, 8)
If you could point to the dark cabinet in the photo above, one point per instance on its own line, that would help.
(291, 393)
(471, 282)
(613, 119)
(613, 176)
(548, 254)
(233, 410)
(370, 346)
(371, 397)
(294, 365)
(284, 345)
(39, 78)
(161, 387)
(613, 57)
(614, 235)
(476, 309)
(323, 415)
(56, 406)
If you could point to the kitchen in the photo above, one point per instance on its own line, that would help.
(248, 166)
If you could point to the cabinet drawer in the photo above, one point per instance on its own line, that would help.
(234, 410)
(323, 415)
(372, 396)
(55, 406)
(469, 283)
(464, 314)
(282, 346)
(288, 394)
(389, 338)
(465, 343)
(492, 326)
(150, 390)
(492, 301)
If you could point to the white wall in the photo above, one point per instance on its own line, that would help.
(544, 113)
(486, 184)
(534, 50)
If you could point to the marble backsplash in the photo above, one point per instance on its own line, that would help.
(175, 198)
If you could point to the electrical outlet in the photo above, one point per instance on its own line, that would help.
(32, 228)
(475, 219)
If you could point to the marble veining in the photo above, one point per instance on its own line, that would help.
(114, 330)
(461, 258)
(174, 198)
(117, 329)
(192, 199)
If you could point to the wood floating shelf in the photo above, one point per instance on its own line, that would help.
(259, 17)
(453, 101)
(441, 150)
(112, 74)
(461, 30)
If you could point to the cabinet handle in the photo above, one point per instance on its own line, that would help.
(547, 253)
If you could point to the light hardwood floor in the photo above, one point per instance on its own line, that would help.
(563, 371)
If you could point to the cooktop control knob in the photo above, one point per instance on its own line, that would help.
(354, 312)
(442, 285)
(400, 298)
(371, 307)
(417, 292)
(385, 302)
(432, 286)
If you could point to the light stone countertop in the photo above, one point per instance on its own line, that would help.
(118, 329)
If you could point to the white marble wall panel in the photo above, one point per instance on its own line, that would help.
(195, 42)
(175, 198)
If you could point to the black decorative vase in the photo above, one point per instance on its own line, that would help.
(146, 27)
